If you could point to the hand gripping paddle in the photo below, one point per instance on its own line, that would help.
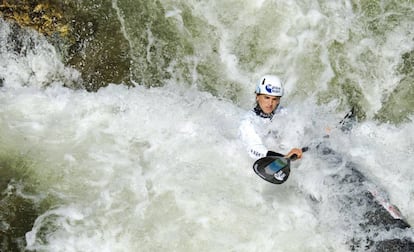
(274, 169)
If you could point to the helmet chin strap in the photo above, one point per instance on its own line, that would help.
(262, 114)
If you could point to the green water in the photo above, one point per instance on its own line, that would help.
(17, 212)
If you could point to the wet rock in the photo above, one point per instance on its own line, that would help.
(43, 16)
(80, 33)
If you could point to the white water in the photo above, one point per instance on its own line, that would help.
(162, 169)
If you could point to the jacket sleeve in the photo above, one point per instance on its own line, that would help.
(252, 140)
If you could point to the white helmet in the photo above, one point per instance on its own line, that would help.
(270, 85)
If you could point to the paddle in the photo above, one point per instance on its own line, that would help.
(276, 169)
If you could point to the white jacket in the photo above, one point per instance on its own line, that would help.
(254, 130)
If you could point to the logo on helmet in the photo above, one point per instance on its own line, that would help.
(272, 89)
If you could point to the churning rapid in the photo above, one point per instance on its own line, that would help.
(124, 135)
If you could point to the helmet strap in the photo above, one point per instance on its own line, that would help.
(262, 114)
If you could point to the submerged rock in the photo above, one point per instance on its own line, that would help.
(17, 212)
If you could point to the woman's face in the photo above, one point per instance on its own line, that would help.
(267, 103)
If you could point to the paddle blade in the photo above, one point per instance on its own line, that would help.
(275, 170)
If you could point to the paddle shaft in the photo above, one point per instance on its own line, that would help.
(342, 122)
